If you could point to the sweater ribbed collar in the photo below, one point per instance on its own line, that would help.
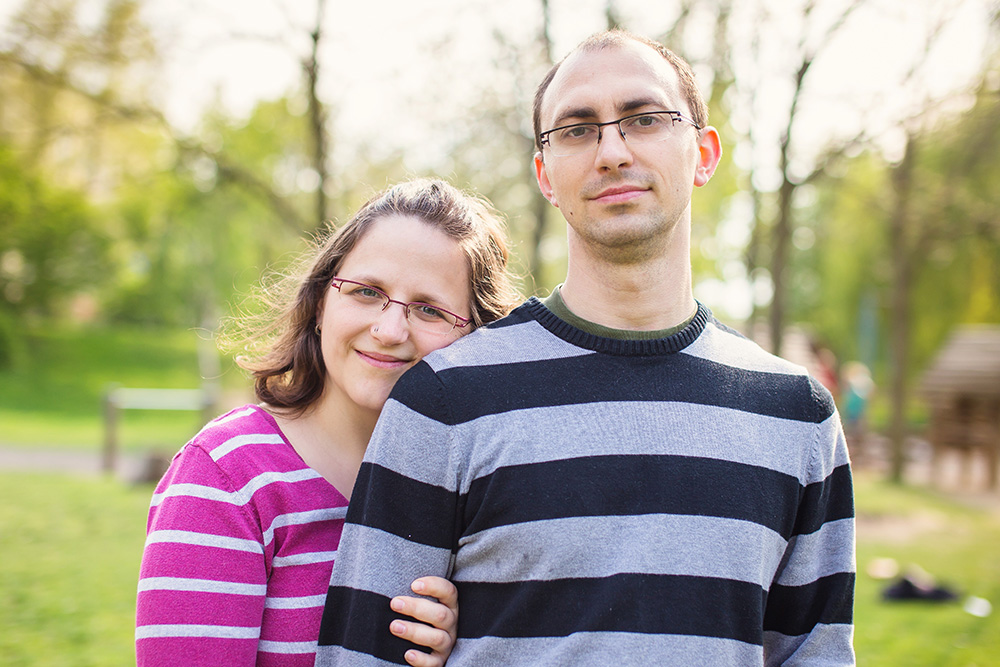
(632, 347)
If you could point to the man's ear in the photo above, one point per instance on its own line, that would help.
(543, 180)
(710, 150)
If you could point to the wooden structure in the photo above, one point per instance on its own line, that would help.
(118, 398)
(962, 389)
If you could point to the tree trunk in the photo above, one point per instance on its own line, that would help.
(317, 116)
(539, 204)
(782, 232)
(899, 321)
(780, 238)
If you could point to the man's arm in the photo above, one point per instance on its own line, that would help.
(401, 525)
(809, 614)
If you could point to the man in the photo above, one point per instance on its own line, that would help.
(610, 476)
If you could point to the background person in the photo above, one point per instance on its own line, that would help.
(244, 527)
(610, 476)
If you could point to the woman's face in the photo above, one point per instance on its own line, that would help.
(366, 350)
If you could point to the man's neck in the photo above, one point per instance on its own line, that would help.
(641, 297)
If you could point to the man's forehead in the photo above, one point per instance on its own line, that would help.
(611, 78)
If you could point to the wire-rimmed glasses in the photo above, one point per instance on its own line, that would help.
(423, 316)
(639, 128)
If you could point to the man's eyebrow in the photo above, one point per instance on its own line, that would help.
(639, 103)
(577, 113)
(585, 114)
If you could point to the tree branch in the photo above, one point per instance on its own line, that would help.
(228, 169)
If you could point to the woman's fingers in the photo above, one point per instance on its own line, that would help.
(436, 620)
(437, 587)
(439, 641)
(430, 613)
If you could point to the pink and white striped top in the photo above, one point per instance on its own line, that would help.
(240, 542)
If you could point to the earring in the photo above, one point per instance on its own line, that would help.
(318, 330)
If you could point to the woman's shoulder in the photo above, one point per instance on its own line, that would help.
(245, 442)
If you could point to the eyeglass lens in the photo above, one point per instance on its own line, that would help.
(424, 316)
(636, 129)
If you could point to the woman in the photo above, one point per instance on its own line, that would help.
(244, 526)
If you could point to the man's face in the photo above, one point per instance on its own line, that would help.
(622, 198)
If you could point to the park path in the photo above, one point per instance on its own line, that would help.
(69, 461)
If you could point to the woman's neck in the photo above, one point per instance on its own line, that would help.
(331, 441)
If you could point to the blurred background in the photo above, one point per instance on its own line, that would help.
(157, 156)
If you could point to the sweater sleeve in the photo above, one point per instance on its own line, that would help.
(202, 582)
(808, 618)
(401, 525)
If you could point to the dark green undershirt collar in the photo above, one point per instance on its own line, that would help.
(555, 303)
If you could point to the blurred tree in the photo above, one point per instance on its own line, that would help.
(929, 252)
(67, 85)
(944, 239)
(494, 149)
(318, 142)
(805, 42)
(183, 214)
(52, 250)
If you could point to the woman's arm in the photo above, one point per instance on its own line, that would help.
(439, 620)
(202, 584)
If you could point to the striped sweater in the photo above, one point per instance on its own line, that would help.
(240, 542)
(678, 501)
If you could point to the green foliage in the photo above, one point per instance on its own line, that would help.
(11, 343)
(951, 241)
(71, 549)
(848, 260)
(51, 246)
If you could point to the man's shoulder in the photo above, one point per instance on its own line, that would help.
(516, 338)
(769, 373)
(726, 345)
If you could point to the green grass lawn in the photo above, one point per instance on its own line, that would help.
(72, 547)
(959, 545)
(53, 396)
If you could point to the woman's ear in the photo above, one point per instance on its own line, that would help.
(319, 310)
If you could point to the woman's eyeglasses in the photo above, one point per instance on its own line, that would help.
(423, 316)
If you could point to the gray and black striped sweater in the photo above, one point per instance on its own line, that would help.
(678, 501)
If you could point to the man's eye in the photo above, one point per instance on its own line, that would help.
(649, 122)
(578, 132)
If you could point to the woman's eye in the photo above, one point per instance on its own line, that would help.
(367, 292)
(429, 312)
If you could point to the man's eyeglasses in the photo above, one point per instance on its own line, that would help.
(423, 316)
(640, 128)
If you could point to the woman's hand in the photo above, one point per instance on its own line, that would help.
(439, 620)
